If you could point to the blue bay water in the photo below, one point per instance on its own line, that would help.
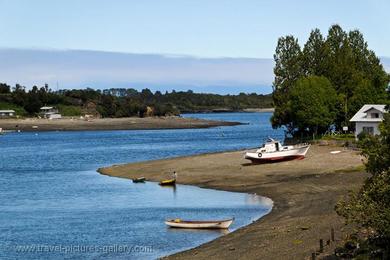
(51, 194)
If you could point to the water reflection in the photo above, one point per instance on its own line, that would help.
(171, 187)
(254, 199)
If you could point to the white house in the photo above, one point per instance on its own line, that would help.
(367, 119)
(50, 113)
(7, 113)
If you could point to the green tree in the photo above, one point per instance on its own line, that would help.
(312, 104)
(19, 95)
(33, 103)
(288, 69)
(315, 52)
(4, 88)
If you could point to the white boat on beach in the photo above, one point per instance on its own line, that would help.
(273, 151)
(208, 224)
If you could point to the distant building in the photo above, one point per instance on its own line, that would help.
(367, 119)
(7, 113)
(50, 113)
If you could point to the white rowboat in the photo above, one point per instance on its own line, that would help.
(217, 224)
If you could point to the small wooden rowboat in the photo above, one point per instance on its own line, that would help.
(138, 180)
(217, 224)
(168, 182)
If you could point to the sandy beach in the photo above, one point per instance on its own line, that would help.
(304, 194)
(131, 123)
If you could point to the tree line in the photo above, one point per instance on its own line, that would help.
(123, 102)
(323, 84)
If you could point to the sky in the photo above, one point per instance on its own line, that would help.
(198, 28)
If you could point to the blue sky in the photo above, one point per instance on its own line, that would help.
(206, 28)
(35, 34)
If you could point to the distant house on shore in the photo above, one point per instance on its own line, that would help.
(367, 119)
(7, 113)
(50, 113)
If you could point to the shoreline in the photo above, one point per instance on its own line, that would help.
(304, 193)
(129, 123)
(222, 111)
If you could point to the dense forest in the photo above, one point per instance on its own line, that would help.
(323, 84)
(122, 102)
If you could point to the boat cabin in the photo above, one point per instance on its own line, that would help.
(272, 146)
(50, 113)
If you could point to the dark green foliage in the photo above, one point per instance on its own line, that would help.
(314, 53)
(69, 110)
(353, 70)
(312, 104)
(8, 106)
(370, 207)
(288, 69)
(33, 101)
(127, 102)
(4, 88)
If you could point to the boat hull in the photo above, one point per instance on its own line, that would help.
(168, 182)
(293, 154)
(219, 224)
(139, 180)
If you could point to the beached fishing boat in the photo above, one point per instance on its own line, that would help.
(168, 182)
(273, 151)
(218, 224)
(138, 180)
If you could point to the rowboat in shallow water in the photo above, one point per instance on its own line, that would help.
(138, 180)
(168, 182)
(211, 224)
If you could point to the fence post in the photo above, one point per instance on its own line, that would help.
(332, 234)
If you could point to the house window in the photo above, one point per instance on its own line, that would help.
(368, 130)
(375, 115)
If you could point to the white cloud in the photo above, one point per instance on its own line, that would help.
(75, 68)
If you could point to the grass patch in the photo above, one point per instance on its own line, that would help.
(69, 110)
(359, 168)
(343, 137)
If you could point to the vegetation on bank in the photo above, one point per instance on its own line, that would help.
(18, 109)
(323, 84)
(318, 89)
(123, 102)
(369, 208)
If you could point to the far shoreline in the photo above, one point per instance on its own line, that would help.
(106, 124)
(223, 111)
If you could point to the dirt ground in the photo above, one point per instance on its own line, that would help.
(76, 124)
(304, 194)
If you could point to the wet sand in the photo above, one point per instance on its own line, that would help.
(304, 194)
(131, 123)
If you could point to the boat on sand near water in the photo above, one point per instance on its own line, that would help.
(168, 182)
(273, 151)
(140, 179)
(207, 224)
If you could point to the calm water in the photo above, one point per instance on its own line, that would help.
(53, 204)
